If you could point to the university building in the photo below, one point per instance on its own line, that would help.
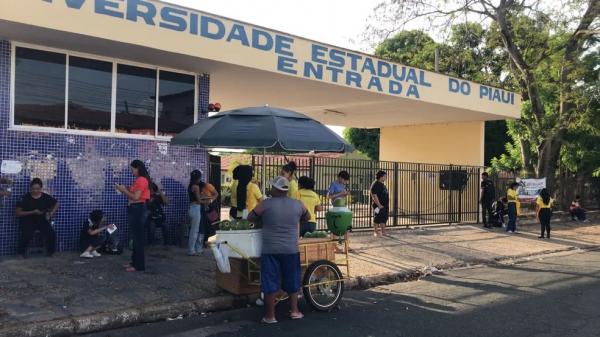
(88, 85)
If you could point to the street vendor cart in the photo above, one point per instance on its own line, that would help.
(322, 281)
(277, 131)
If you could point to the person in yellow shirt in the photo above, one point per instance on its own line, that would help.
(288, 171)
(245, 194)
(513, 198)
(311, 201)
(544, 211)
(233, 192)
(253, 196)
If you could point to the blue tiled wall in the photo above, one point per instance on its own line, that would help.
(80, 171)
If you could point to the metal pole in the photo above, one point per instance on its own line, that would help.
(450, 185)
(395, 195)
(460, 198)
(479, 210)
(264, 171)
(437, 60)
(419, 197)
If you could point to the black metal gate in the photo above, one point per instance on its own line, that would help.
(214, 172)
(420, 194)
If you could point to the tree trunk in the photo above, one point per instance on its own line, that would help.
(515, 54)
(549, 153)
(526, 157)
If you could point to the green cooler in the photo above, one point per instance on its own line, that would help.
(339, 220)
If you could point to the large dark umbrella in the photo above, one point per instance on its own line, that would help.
(272, 129)
(266, 128)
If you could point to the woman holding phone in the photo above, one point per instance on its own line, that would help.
(200, 194)
(381, 200)
(138, 194)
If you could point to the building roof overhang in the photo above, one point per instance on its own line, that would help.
(250, 65)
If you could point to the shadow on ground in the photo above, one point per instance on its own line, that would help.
(552, 298)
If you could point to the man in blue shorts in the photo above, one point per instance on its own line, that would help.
(280, 259)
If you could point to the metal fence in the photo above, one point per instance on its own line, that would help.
(420, 194)
(588, 188)
(567, 186)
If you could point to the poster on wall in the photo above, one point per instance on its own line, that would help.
(11, 167)
(529, 189)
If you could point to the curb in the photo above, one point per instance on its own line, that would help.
(122, 318)
(367, 282)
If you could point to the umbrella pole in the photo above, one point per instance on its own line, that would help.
(264, 171)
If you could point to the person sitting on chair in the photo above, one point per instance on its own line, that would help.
(34, 210)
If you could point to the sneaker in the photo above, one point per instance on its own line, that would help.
(86, 255)
(96, 254)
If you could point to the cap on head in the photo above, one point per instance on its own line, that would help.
(280, 183)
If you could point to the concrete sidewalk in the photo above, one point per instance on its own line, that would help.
(65, 294)
(454, 246)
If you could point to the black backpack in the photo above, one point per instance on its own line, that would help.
(157, 215)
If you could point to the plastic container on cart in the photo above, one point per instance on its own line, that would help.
(249, 242)
(339, 220)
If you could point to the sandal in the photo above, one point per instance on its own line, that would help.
(297, 316)
(268, 321)
(130, 269)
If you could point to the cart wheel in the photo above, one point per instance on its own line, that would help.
(323, 286)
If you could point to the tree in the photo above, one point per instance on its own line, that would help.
(466, 55)
(543, 47)
(364, 140)
(412, 47)
(495, 140)
(581, 151)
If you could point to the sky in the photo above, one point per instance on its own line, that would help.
(330, 21)
(337, 22)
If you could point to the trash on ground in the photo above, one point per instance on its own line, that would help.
(175, 318)
(431, 270)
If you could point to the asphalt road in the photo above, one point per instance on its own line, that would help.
(554, 296)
